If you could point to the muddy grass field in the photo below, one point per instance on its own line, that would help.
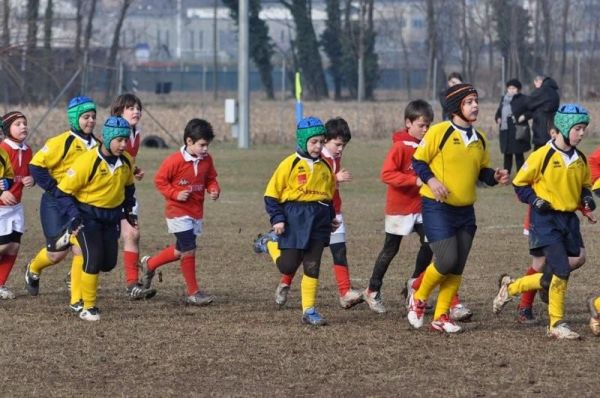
(242, 345)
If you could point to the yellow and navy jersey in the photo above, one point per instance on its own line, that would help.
(455, 159)
(6, 170)
(60, 152)
(555, 176)
(95, 182)
(298, 179)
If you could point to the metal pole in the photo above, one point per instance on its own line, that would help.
(503, 71)
(283, 72)
(178, 27)
(243, 76)
(578, 77)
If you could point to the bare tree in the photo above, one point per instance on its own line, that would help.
(48, 62)
(114, 48)
(432, 43)
(563, 36)
(5, 26)
(78, 30)
(29, 48)
(546, 9)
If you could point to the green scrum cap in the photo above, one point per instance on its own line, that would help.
(568, 115)
(77, 107)
(308, 128)
(114, 126)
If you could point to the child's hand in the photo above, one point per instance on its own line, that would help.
(521, 119)
(502, 176)
(28, 181)
(587, 213)
(8, 198)
(498, 121)
(279, 228)
(138, 173)
(343, 176)
(183, 196)
(419, 182)
(214, 195)
(438, 189)
(335, 224)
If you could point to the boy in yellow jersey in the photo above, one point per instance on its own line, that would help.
(95, 192)
(555, 181)
(48, 166)
(298, 200)
(450, 159)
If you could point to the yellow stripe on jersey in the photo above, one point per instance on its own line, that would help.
(105, 188)
(52, 156)
(561, 182)
(6, 170)
(298, 179)
(456, 165)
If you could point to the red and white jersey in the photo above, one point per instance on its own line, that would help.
(402, 196)
(20, 155)
(335, 164)
(133, 145)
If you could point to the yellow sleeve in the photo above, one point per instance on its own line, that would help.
(485, 161)
(279, 179)
(50, 154)
(530, 171)
(428, 147)
(7, 170)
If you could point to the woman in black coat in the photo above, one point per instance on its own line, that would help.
(512, 106)
(543, 102)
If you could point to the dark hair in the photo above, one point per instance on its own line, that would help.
(515, 83)
(198, 129)
(337, 128)
(454, 75)
(122, 102)
(418, 108)
(550, 124)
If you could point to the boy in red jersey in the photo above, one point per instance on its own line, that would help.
(183, 178)
(403, 202)
(129, 107)
(12, 216)
(337, 137)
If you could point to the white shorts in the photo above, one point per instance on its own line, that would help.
(12, 219)
(185, 223)
(403, 224)
(136, 208)
(339, 235)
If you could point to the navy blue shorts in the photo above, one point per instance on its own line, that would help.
(99, 244)
(185, 241)
(305, 222)
(442, 221)
(53, 218)
(555, 227)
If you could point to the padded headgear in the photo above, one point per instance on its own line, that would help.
(308, 128)
(77, 107)
(114, 126)
(568, 115)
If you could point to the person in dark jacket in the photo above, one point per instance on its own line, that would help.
(543, 103)
(512, 106)
(454, 78)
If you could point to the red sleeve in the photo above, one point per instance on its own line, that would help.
(594, 163)
(164, 176)
(211, 178)
(392, 170)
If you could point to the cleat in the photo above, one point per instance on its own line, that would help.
(260, 243)
(281, 294)
(502, 297)
(416, 312)
(562, 331)
(445, 325)
(460, 313)
(374, 301)
(526, 316)
(312, 317)
(6, 293)
(407, 291)
(137, 292)
(76, 308)
(199, 299)
(90, 314)
(32, 281)
(67, 281)
(594, 316)
(351, 298)
(147, 274)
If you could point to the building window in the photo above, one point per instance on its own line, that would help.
(158, 41)
(201, 40)
(192, 40)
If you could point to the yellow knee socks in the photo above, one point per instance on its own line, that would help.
(76, 271)
(525, 283)
(448, 289)
(89, 286)
(309, 287)
(556, 299)
(273, 249)
(40, 261)
(431, 280)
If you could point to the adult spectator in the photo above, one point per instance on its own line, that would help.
(543, 103)
(512, 106)
(454, 78)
